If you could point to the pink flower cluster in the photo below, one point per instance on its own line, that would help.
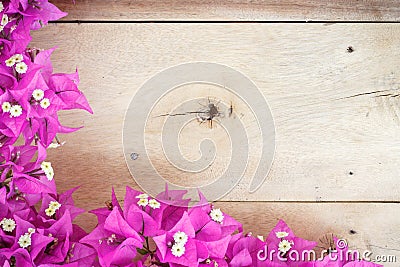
(36, 226)
(30, 97)
(164, 231)
(36, 223)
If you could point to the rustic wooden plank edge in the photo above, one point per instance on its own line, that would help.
(235, 10)
(328, 22)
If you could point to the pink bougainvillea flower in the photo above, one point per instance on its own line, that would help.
(175, 206)
(211, 223)
(140, 217)
(42, 11)
(340, 257)
(188, 252)
(102, 213)
(213, 229)
(80, 254)
(114, 240)
(9, 257)
(243, 250)
(68, 93)
(282, 240)
(23, 174)
(61, 245)
(362, 264)
(66, 204)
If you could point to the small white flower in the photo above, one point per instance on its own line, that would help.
(216, 215)
(154, 204)
(1, 6)
(284, 246)
(111, 239)
(178, 250)
(54, 145)
(143, 202)
(46, 166)
(142, 196)
(45, 103)
(24, 241)
(54, 205)
(31, 231)
(281, 234)
(180, 238)
(15, 111)
(10, 62)
(50, 211)
(8, 225)
(4, 20)
(6, 107)
(21, 68)
(38, 94)
(47, 169)
(18, 58)
(50, 175)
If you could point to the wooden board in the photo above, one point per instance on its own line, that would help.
(336, 115)
(335, 140)
(371, 10)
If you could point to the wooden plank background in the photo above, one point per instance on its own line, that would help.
(336, 113)
(304, 10)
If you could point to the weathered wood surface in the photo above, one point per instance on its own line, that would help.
(371, 10)
(336, 140)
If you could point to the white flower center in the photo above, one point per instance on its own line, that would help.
(142, 196)
(18, 58)
(10, 62)
(25, 240)
(38, 94)
(217, 215)
(178, 250)
(8, 225)
(6, 107)
(180, 238)
(15, 111)
(281, 234)
(143, 202)
(48, 170)
(154, 204)
(4, 20)
(21, 67)
(45, 103)
(55, 205)
(284, 246)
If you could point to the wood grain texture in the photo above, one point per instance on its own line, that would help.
(304, 10)
(335, 140)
